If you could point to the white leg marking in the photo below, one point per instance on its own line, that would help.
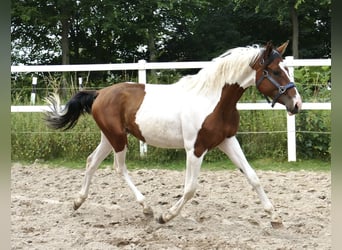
(232, 149)
(193, 166)
(93, 161)
(120, 158)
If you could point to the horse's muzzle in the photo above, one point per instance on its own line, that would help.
(295, 110)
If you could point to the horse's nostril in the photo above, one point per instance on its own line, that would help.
(296, 109)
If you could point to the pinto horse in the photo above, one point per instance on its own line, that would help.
(197, 113)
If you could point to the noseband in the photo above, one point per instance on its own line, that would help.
(265, 74)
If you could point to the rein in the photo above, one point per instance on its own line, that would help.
(281, 89)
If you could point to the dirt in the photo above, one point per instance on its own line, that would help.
(224, 214)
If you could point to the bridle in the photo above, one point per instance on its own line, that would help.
(265, 74)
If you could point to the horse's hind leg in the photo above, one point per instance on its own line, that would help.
(93, 161)
(231, 147)
(120, 158)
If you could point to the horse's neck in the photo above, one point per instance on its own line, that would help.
(231, 94)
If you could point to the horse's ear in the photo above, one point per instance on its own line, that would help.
(281, 49)
(268, 50)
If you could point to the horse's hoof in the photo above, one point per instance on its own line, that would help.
(77, 205)
(277, 224)
(276, 221)
(161, 220)
(148, 211)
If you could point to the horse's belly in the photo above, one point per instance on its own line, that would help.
(164, 140)
(160, 131)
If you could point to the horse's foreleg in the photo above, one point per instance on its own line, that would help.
(93, 161)
(231, 147)
(120, 158)
(193, 165)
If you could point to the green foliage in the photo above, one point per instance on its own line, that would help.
(31, 139)
(281, 16)
(263, 133)
(164, 76)
(313, 83)
(314, 135)
(125, 31)
(314, 127)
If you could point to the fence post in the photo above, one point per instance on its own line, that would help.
(34, 90)
(80, 85)
(142, 71)
(142, 79)
(291, 138)
(291, 123)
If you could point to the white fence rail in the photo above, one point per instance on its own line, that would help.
(142, 66)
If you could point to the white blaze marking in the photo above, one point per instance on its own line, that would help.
(282, 66)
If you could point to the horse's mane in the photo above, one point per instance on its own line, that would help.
(231, 67)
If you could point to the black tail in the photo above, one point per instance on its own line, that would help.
(75, 107)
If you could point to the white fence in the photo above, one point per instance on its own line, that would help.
(142, 66)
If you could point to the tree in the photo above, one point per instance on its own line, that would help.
(33, 32)
(301, 13)
(81, 31)
(315, 29)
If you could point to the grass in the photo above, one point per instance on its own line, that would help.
(259, 164)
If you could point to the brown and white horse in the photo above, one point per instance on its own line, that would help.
(197, 113)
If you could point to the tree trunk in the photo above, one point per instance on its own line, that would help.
(65, 41)
(295, 31)
(153, 52)
(65, 55)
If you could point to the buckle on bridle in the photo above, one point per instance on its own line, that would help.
(282, 89)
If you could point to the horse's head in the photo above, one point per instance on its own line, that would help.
(273, 79)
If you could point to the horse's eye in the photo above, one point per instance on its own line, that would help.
(276, 73)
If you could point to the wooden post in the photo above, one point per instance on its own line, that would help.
(142, 79)
(291, 138)
(34, 90)
(80, 85)
(291, 122)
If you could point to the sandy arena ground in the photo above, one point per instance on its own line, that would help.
(224, 214)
